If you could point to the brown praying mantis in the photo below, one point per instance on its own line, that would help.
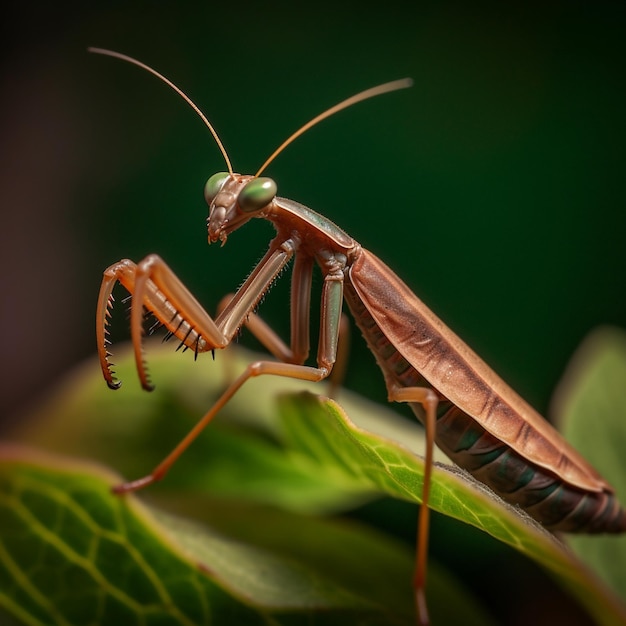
(472, 415)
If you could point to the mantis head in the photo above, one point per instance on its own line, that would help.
(233, 199)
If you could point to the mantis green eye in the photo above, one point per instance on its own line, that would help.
(258, 193)
(213, 185)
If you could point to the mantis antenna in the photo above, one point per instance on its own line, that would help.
(179, 91)
(394, 85)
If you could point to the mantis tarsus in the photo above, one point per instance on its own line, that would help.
(480, 422)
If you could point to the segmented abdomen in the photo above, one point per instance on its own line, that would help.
(555, 504)
(552, 502)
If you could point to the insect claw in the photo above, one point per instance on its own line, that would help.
(114, 384)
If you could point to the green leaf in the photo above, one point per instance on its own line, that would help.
(132, 431)
(303, 455)
(590, 406)
(398, 473)
(71, 552)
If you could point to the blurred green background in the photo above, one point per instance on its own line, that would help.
(494, 187)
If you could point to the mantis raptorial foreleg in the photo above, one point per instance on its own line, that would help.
(154, 286)
(298, 350)
(258, 368)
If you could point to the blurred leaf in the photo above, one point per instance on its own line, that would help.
(71, 552)
(590, 407)
(305, 456)
(132, 431)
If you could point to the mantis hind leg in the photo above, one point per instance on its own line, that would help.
(429, 401)
(258, 368)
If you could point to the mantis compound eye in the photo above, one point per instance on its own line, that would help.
(256, 195)
(214, 185)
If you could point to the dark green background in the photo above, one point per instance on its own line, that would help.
(495, 187)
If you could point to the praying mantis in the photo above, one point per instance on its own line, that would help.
(472, 415)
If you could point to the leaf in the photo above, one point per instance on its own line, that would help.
(398, 473)
(306, 456)
(71, 552)
(590, 406)
(132, 431)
